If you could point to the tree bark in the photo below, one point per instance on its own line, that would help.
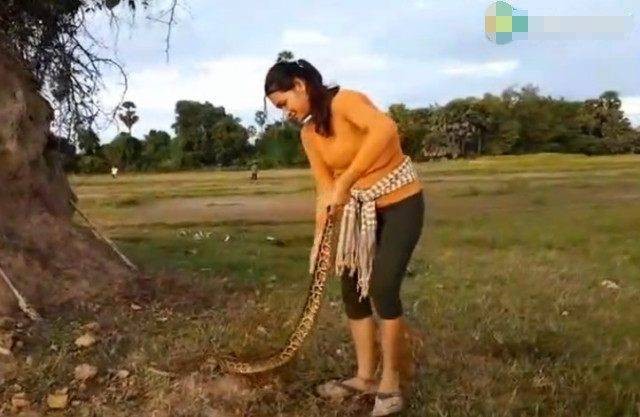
(50, 261)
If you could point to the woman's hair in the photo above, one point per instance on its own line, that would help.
(280, 78)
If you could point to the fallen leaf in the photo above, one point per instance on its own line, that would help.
(28, 413)
(86, 340)
(158, 372)
(93, 326)
(275, 241)
(610, 284)
(229, 386)
(122, 374)
(6, 340)
(58, 400)
(214, 412)
(85, 372)
(19, 400)
(7, 323)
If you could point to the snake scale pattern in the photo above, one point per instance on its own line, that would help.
(306, 320)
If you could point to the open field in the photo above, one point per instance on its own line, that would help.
(506, 287)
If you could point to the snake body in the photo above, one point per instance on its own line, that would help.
(306, 320)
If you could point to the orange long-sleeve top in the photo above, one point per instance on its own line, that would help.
(364, 147)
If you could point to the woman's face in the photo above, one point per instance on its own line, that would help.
(295, 102)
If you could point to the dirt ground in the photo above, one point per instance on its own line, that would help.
(289, 207)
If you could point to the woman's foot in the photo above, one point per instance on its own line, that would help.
(338, 389)
(389, 382)
(388, 397)
(387, 404)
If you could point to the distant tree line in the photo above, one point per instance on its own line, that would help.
(205, 136)
(514, 122)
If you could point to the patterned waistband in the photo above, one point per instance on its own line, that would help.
(357, 238)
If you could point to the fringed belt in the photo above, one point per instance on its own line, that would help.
(357, 239)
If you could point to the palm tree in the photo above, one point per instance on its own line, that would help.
(261, 119)
(604, 113)
(129, 117)
(285, 56)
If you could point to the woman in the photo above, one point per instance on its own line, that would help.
(358, 165)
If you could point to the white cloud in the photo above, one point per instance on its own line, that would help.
(146, 88)
(481, 69)
(333, 55)
(297, 37)
(234, 82)
(631, 108)
(420, 4)
(361, 62)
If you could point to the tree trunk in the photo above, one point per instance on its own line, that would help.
(48, 259)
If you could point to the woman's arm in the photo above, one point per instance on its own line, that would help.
(321, 172)
(323, 179)
(380, 128)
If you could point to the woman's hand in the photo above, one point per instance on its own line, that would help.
(323, 200)
(339, 196)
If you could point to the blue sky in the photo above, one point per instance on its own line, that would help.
(418, 52)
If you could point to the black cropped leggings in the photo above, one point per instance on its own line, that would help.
(398, 229)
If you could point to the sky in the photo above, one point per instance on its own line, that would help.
(418, 52)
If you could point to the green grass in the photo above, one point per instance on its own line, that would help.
(505, 287)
